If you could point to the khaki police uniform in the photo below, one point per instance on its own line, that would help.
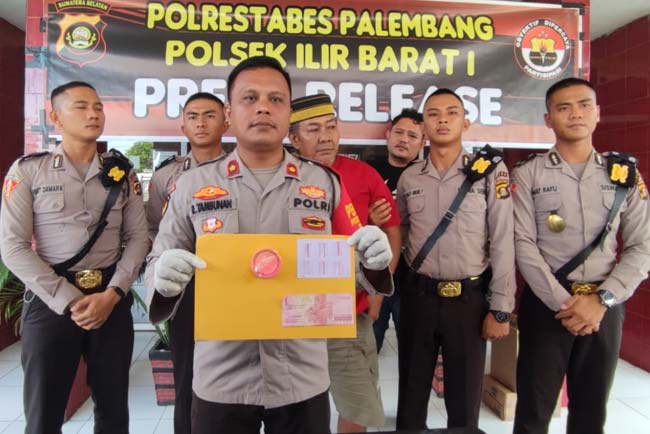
(181, 326)
(268, 377)
(47, 202)
(162, 185)
(546, 185)
(430, 321)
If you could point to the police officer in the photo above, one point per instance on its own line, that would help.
(569, 205)
(77, 299)
(404, 140)
(353, 364)
(240, 384)
(204, 123)
(451, 204)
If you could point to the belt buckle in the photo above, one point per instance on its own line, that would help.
(582, 288)
(88, 279)
(451, 288)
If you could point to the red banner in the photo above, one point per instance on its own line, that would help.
(373, 58)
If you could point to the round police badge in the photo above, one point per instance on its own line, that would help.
(543, 49)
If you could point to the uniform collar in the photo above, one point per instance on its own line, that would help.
(457, 167)
(235, 168)
(595, 162)
(61, 162)
(189, 161)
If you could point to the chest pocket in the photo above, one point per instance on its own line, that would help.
(415, 204)
(48, 208)
(471, 214)
(545, 205)
(309, 222)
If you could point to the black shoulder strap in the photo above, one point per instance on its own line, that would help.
(64, 266)
(115, 170)
(166, 161)
(33, 155)
(479, 167)
(622, 173)
(566, 269)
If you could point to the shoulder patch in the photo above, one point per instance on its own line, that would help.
(33, 155)
(483, 163)
(621, 168)
(113, 155)
(525, 160)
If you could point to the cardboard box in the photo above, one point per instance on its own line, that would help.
(499, 398)
(503, 401)
(503, 360)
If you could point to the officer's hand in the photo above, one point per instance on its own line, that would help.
(373, 249)
(582, 314)
(92, 311)
(173, 270)
(493, 329)
(379, 212)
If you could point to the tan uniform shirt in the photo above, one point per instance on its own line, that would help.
(423, 197)
(300, 198)
(161, 186)
(546, 184)
(45, 199)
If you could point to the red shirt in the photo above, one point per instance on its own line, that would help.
(365, 186)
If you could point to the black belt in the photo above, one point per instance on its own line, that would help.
(438, 287)
(90, 281)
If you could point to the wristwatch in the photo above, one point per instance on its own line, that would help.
(501, 316)
(607, 299)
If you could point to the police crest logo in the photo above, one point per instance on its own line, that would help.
(81, 36)
(313, 223)
(542, 49)
(312, 192)
(212, 225)
(210, 192)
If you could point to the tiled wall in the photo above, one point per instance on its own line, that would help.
(12, 79)
(620, 69)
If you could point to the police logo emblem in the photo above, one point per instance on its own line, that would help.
(542, 49)
(212, 225)
(81, 39)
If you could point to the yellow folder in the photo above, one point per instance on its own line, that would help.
(233, 303)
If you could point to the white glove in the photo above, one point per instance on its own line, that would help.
(173, 270)
(373, 249)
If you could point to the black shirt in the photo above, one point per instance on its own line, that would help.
(389, 173)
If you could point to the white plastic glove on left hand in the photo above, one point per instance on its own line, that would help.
(173, 270)
(373, 249)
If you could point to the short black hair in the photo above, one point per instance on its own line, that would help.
(563, 84)
(255, 63)
(203, 95)
(70, 85)
(408, 114)
(445, 91)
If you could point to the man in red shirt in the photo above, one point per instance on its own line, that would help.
(314, 133)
